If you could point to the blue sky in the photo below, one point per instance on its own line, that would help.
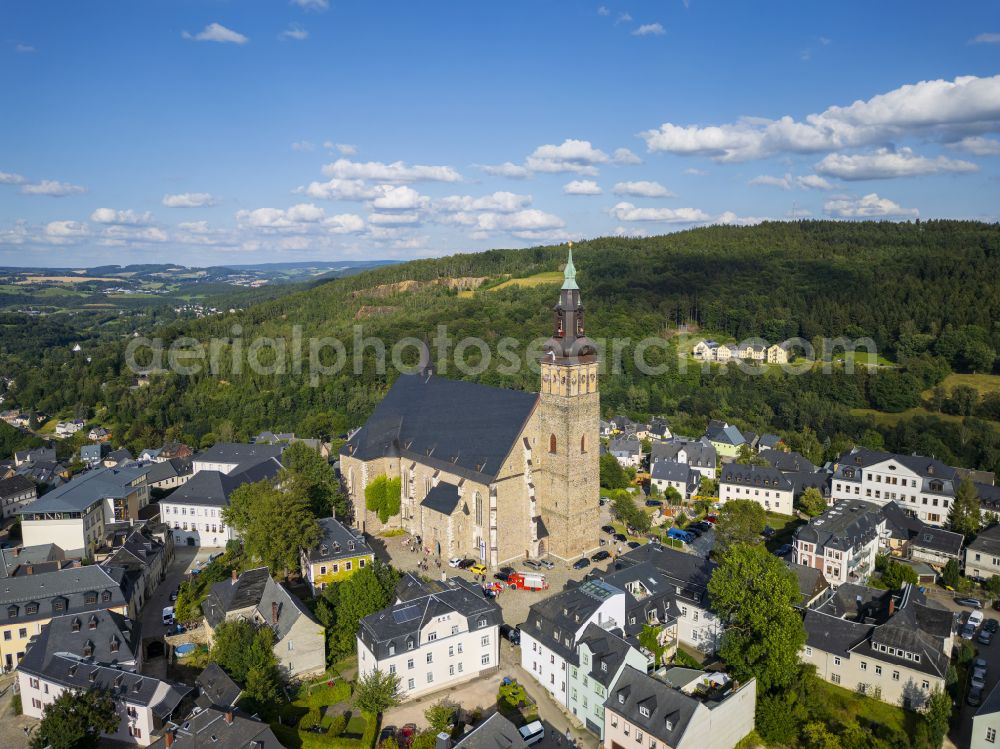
(215, 131)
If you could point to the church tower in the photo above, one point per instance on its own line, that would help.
(569, 446)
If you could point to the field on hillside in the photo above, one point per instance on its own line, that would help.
(984, 383)
(539, 279)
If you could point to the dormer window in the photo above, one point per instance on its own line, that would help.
(59, 604)
(114, 644)
(31, 609)
(90, 598)
(106, 596)
(11, 612)
(644, 711)
(88, 649)
(92, 624)
(604, 666)
(621, 699)
(76, 625)
(669, 724)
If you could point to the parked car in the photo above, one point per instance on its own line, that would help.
(600, 556)
(173, 594)
(968, 632)
(783, 550)
(696, 532)
(978, 680)
(985, 637)
(506, 571)
(582, 563)
(532, 564)
(547, 564)
(454, 561)
(621, 537)
(991, 626)
(633, 544)
(974, 603)
(466, 563)
(609, 529)
(654, 503)
(975, 618)
(680, 535)
(532, 733)
(168, 616)
(975, 697)
(511, 634)
(387, 732)
(767, 532)
(702, 526)
(478, 569)
(711, 519)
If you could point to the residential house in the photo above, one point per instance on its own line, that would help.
(989, 500)
(194, 510)
(705, 350)
(769, 441)
(803, 480)
(140, 560)
(727, 439)
(67, 428)
(44, 473)
(764, 485)
(91, 455)
(216, 689)
(601, 655)
(909, 537)
(555, 625)
(35, 455)
(119, 457)
(16, 493)
(699, 454)
(627, 450)
(74, 515)
(894, 646)
(814, 590)
(213, 728)
(681, 477)
(299, 640)
(712, 712)
(777, 353)
(340, 553)
(659, 430)
(623, 425)
(842, 542)
(97, 650)
(788, 462)
(924, 487)
(982, 556)
(440, 636)
(986, 721)
(169, 474)
(99, 434)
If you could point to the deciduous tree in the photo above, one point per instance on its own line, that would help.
(811, 502)
(76, 720)
(741, 521)
(376, 692)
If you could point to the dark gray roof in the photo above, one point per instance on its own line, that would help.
(788, 461)
(668, 470)
(241, 454)
(71, 590)
(726, 434)
(608, 652)
(42, 558)
(929, 469)
(36, 455)
(395, 626)
(989, 495)
(899, 523)
(85, 489)
(168, 469)
(15, 485)
(988, 540)
(416, 420)
(216, 688)
(625, 445)
(802, 480)
(755, 476)
(212, 488)
(688, 572)
(768, 440)
(938, 540)
(700, 453)
(666, 706)
(209, 729)
(496, 732)
(992, 702)
(338, 542)
(554, 621)
(120, 455)
(833, 634)
(648, 590)
(442, 498)
(810, 580)
(138, 549)
(846, 525)
(255, 589)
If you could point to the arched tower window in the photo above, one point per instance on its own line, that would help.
(583, 444)
(479, 508)
(552, 443)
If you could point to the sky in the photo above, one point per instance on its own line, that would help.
(239, 131)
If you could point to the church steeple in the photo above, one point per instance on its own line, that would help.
(568, 340)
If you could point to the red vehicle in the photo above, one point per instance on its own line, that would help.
(527, 581)
(711, 519)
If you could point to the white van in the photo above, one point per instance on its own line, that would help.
(976, 618)
(532, 733)
(168, 616)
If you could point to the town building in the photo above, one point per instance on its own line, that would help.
(923, 487)
(213, 728)
(894, 646)
(727, 439)
(442, 635)
(766, 486)
(340, 552)
(668, 474)
(16, 493)
(626, 450)
(788, 462)
(777, 353)
(986, 722)
(138, 561)
(842, 542)
(34, 455)
(74, 516)
(97, 650)
(982, 556)
(710, 712)
(92, 455)
(911, 538)
(516, 474)
(700, 454)
(299, 640)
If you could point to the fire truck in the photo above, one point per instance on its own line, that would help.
(527, 581)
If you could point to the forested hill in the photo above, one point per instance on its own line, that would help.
(927, 293)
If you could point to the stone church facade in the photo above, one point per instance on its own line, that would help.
(487, 473)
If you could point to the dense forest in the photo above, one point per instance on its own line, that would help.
(925, 292)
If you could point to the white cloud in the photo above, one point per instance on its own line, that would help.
(985, 39)
(61, 232)
(785, 183)
(339, 189)
(582, 187)
(629, 231)
(966, 104)
(312, 4)
(642, 189)
(189, 200)
(300, 218)
(624, 156)
(303, 145)
(650, 29)
(886, 163)
(295, 32)
(813, 182)
(602, 10)
(343, 148)
(125, 218)
(216, 32)
(978, 145)
(399, 198)
(393, 219)
(52, 188)
(344, 223)
(527, 220)
(570, 156)
(8, 178)
(869, 206)
(23, 48)
(507, 169)
(394, 172)
(695, 172)
(730, 218)
(498, 202)
(623, 18)
(629, 212)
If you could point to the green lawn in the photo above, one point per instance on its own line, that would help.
(851, 705)
(891, 419)
(784, 528)
(984, 383)
(870, 359)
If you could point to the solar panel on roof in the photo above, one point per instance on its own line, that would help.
(401, 616)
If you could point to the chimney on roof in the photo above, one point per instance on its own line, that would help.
(892, 605)
(168, 739)
(229, 717)
(274, 612)
(29, 569)
(17, 551)
(235, 576)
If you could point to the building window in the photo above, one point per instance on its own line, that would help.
(430, 677)
(583, 444)
(485, 641)
(552, 444)
(878, 670)
(835, 678)
(836, 661)
(430, 657)
(410, 684)
(809, 650)
(895, 675)
(485, 660)
(409, 663)
(991, 735)
(432, 636)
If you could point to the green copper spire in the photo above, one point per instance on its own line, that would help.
(569, 275)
